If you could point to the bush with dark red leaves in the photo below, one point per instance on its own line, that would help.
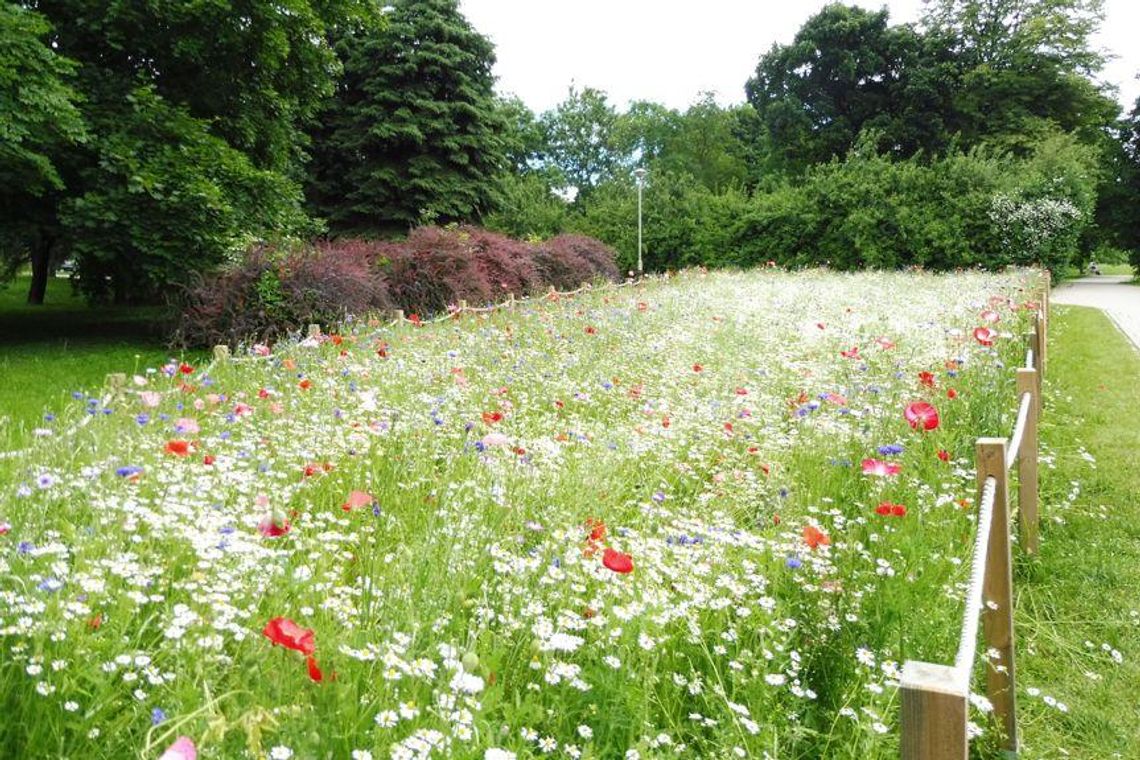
(276, 291)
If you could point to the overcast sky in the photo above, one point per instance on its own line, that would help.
(668, 51)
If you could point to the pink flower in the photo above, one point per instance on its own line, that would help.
(989, 315)
(495, 439)
(150, 399)
(357, 499)
(880, 468)
(921, 415)
(182, 749)
(984, 335)
(186, 425)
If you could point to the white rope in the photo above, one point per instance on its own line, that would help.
(968, 643)
(1018, 430)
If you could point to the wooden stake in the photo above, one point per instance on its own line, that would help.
(934, 710)
(221, 353)
(398, 315)
(314, 331)
(1027, 463)
(997, 593)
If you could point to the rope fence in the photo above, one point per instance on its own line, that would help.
(935, 697)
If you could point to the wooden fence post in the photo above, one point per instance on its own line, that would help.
(997, 592)
(314, 331)
(1035, 345)
(221, 353)
(934, 710)
(398, 315)
(1027, 462)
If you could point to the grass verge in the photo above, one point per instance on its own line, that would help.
(49, 351)
(1078, 613)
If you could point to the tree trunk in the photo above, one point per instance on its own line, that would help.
(41, 257)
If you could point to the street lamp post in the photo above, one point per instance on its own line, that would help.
(639, 172)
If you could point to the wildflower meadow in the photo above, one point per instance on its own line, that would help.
(707, 515)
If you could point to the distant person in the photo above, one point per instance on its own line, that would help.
(1093, 268)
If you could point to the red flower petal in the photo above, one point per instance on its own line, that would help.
(984, 335)
(288, 634)
(616, 561)
(814, 537)
(314, 669)
(178, 448)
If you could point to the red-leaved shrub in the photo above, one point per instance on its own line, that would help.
(274, 291)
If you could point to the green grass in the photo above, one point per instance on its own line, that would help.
(1081, 594)
(48, 351)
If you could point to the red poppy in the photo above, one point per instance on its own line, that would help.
(491, 418)
(415, 319)
(382, 351)
(898, 510)
(883, 509)
(95, 622)
(616, 561)
(951, 393)
(741, 391)
(185, 369)
(243, 410)
(558, 404)
(305, 384)
(926, 379)
(665, 421)
(851, 353)
(698, 368)
(336, 339)
(814, 537)
(286, 633)
(880, 468)
(984, 335)
(208, 459)
(591, 330)
(314, 669)
(642, 306)
(178, 448)
(944, 455)
(921, 415)
(262, 393)
(357, 499)
(821, 325)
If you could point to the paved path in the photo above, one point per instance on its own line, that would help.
(1119, 300)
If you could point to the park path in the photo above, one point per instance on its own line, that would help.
(1119, 300)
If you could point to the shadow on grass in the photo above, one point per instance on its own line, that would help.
(49, 353)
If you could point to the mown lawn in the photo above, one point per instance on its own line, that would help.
(1078, 608)
(49, 351)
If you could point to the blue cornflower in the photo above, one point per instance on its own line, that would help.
(142, 419)
(128, 470)
(157, 715)
(25, 547)
(891, 448)
(793, 562)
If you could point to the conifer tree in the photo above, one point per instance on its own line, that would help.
(412, 133)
